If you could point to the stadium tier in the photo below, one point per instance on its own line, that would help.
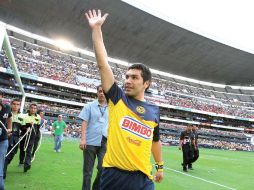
(62, 82)
(42, 62)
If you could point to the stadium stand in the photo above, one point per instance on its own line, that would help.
(218, 112)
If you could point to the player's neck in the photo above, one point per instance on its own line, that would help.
(15, 112)
(140, 97)
(102, 102)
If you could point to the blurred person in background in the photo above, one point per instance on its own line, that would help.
(185, 143)
(194, 146)
(17, 119)
(5, 129)
(38, 134)
(59, 127)
(31, 123)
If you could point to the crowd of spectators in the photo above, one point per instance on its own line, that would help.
(51, 64)
(209, 143)
(228, 140)
(171, 138)
(73, 129)
(205, 131)
(57, 109)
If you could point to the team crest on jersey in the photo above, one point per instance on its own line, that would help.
(135, 127)
(140, 109)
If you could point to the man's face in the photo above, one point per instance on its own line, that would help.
(188, 128)
(41, 114)
(100, 94)
(15, 106)
(60, 118)
(134, 84)
(33, 109)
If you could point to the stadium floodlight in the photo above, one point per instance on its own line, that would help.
(64, 44)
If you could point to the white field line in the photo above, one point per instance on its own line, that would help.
(208, 181)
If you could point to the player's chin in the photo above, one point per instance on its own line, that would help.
(128, 92)
(101, 97)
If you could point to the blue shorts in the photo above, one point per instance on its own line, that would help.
(117, 179)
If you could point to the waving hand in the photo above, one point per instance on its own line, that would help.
(95, 19)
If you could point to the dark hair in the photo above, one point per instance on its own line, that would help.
(15, 100)
(39, 111)
(99, 86)
(145, 71)
(33, 104)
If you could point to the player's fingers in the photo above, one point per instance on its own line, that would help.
(90, 14)
(105, 16)
(94, 13)
(87, 16)
(99, 13)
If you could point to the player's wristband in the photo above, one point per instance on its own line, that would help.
(159, 166)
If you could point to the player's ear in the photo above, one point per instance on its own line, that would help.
(147, 84)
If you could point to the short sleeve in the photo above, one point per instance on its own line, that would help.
(8, 110)
(182, 136)
(54, 124)
(24, 117)
(20, 119)
(38, 120)
(85, 113)
(115, 93)
(192, 136)
(156, 134)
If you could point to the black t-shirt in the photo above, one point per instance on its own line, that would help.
(187, 137)
(5, 113)
(195, 136)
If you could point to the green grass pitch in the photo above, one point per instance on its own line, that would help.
(215, 170)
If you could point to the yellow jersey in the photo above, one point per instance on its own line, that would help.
(133, 125)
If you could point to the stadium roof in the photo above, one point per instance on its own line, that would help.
(134, 36)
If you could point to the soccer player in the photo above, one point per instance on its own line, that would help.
(31, 121)
(133, 123)
(17, 119)
(186, 139)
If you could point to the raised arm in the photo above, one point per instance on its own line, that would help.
(95, 22)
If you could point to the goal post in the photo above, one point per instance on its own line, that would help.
(2, 32)
(6, 45)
